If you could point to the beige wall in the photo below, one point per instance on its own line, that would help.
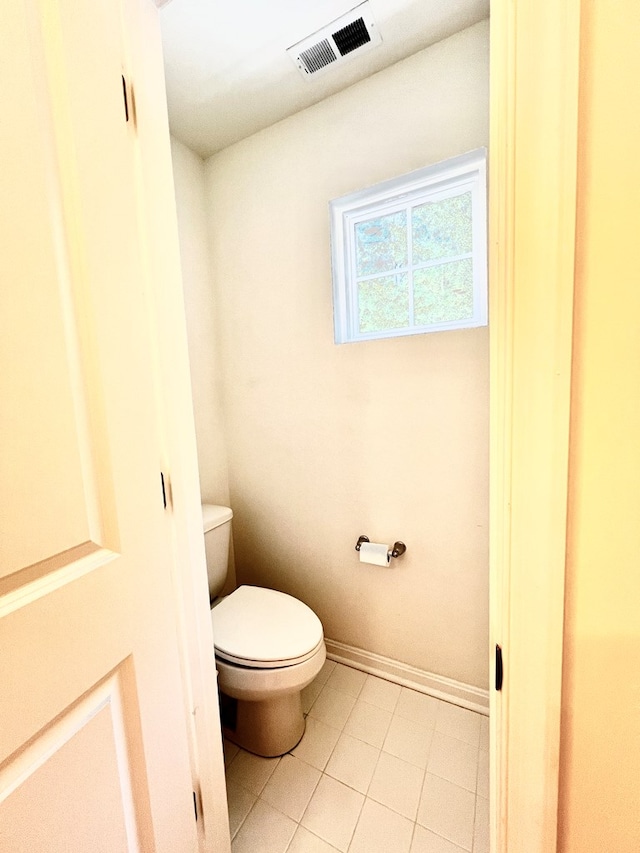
(188, 176)
(387, 438)
(600, 747)
(188, 170)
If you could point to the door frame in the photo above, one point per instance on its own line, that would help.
(174, 402)
(532, 205)
(532, 209)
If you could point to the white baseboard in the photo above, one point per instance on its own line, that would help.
(465, 695)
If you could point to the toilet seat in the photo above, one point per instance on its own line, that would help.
(276, 664)
(264, 629)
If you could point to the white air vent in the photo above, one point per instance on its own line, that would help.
(334, 44)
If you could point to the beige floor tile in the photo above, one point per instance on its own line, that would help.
(383, 694)
(333, 812)
(447, 810)
(333, 707)
(409, 741)
(459, 723)
(290, 787)
(484, 732)
(317, 743)
(425, 841)
(482, 789)
(251, 771)
(417, 707)
(353, 762)
(368, 723)
(481, 827)
(230, 751)
(397, 784)
(347, 679)
(327, 668)
(381, 830)
(454, 760)
(240, 802)
(309, 695)
(264, 831)
(306, 842)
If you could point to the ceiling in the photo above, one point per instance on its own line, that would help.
(228, 74)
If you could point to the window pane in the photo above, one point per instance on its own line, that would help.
(383, 303)
(381, 244)
(444, 293)
(442, 228)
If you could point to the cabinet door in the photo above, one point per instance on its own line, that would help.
(93, 744)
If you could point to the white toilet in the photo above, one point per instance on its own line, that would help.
(268, 646)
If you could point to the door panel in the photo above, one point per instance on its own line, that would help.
(36, 386)
(101, 806)
(93, 745)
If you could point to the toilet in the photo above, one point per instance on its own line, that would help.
(268, 647)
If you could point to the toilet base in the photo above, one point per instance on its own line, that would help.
(269, 728)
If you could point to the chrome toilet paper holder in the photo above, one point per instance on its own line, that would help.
(397, 551)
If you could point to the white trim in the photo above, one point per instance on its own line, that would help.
(442, 172)
(465, 173)
(74, 564)
(456, 692)
(167, 327)
(533, 147)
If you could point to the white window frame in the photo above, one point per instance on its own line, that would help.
(441, 180)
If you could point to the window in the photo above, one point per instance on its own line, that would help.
(410, 254)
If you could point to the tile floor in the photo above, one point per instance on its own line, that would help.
(380, 769)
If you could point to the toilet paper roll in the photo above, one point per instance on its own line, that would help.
(375, 553)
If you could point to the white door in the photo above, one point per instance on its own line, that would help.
(93, 744)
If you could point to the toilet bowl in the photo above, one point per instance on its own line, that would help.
(268, 647)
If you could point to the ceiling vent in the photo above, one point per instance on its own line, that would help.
(334, 44)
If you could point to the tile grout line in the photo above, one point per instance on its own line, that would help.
(424, 782)
(355, 826)
(244, 819)
(315, 788)
(475, 817)
(415, 824)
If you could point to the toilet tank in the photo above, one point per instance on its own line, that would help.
(216, 524)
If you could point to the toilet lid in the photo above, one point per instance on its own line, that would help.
(264, 628)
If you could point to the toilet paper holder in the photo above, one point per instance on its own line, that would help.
(397, 551)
